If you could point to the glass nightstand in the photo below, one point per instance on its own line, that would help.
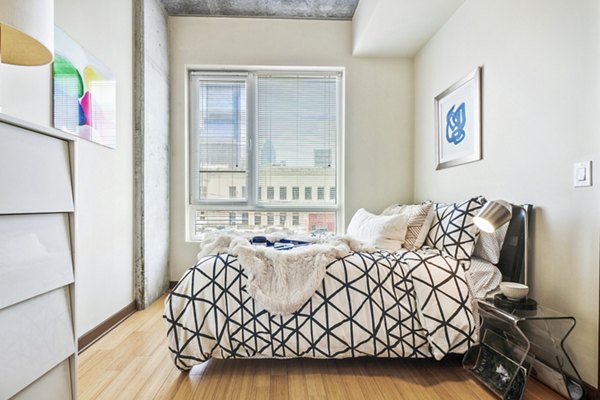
(516, 343)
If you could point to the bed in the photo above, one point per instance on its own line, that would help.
(403, 303)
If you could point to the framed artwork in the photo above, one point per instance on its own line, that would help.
(84, 94)
(458, 122)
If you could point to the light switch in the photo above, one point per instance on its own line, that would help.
(582, 174)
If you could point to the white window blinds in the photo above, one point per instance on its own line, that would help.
(297, 130)
(265, 149)
(219, 138)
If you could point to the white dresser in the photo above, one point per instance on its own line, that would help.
(38, 343)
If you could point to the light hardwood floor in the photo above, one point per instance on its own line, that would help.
(132, 362)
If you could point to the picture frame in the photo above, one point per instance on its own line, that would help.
(458, 122)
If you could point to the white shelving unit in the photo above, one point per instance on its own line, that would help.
(38, 339)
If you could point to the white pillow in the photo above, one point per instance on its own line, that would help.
(386, 232)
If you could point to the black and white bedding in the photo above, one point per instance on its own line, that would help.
(366, 294)
(382, 304)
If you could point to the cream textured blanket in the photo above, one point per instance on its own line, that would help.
(281, 281)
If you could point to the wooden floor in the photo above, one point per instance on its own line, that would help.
(132, 362)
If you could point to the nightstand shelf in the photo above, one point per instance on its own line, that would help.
(517, 343)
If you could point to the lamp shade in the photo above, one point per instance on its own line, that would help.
(493, 215)
(26, 32)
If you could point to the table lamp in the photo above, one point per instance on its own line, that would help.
(26, 32)
(496, 213)
(492, 216)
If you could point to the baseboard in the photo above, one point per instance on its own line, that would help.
(104, 327)
(590, 391)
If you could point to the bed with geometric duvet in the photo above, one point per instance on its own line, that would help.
(413, 301)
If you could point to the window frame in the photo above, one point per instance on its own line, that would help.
(252, 202)
(192, 137)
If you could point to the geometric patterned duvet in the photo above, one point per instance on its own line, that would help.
(411, 304)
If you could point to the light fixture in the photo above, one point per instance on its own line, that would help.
(26, 32)
(496, 213)
(493, 215)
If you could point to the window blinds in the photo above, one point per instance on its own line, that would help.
(297, 130)
(264, 149)
(220, 138)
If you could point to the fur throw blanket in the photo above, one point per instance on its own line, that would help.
(281, 281)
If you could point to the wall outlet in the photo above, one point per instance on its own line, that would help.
(582, 174)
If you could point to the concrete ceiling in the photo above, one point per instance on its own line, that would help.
(381, 28)
(309, 9)
(398, 28)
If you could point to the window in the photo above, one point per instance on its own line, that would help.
(320, 193)
(308, 193)
(219, 134)
(260, 130)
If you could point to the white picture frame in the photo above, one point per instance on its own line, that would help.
(458, 122)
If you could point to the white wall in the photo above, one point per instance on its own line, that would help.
(379, 104)
(397, 28)
(541, 96)
(104, 183)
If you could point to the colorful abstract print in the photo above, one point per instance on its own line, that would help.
(84, 93)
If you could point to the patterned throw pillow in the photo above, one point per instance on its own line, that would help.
(419, 222)
(483, 277)
(452, 230)
(489, 245)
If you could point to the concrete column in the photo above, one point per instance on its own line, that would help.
(151, 152)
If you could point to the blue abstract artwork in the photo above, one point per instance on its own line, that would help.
(458, 122)
(455, 124)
